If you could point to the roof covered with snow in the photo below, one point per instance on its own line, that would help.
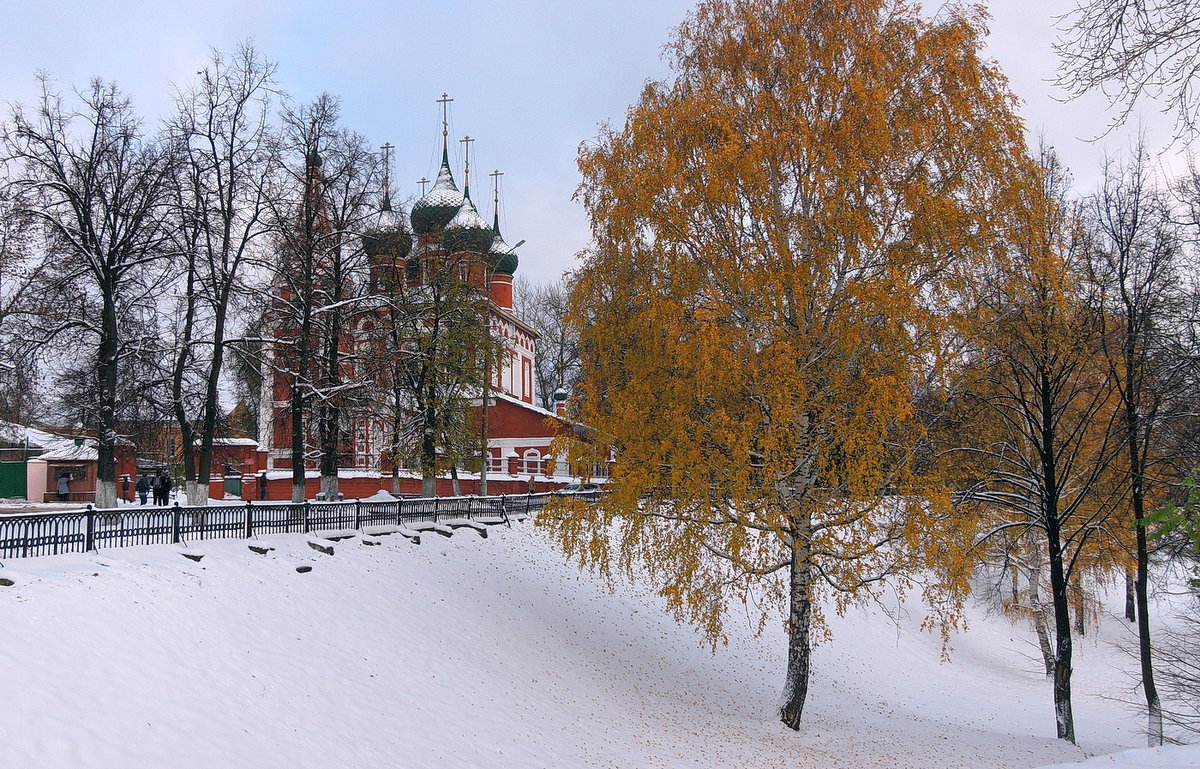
(13, 433)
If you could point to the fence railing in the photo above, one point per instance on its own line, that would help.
(83, 530)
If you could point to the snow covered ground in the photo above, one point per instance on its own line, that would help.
(473, 652)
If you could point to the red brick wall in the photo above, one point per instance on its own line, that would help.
(508, 420)
(360, 488)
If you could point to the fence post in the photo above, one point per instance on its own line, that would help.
(436, 508)
(89, 528)
(249, 519)
(304, 516)
(357, 514)
(175, 514)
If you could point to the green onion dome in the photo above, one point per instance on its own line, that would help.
(388, 238)
(440, 204)
(467, 231)
(501, 256)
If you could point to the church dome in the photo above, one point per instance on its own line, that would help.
(440, 204)
(467, 231)
(388, 237)
(501, 256)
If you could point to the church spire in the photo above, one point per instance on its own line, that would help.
(435, 209)
(387, 176)
(501, 256)
(466, 142)
(468, 231)
(496, 200)
(445, 102)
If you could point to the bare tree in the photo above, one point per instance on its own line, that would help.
(222, 125)
(99, 189)
(1042, 442)
(351, 178)
(317, 276)
(1132, 50)
(20, 270)
(384, 343)
(434, 334)
(1136, 263)
(544, 306)
(1178, 663)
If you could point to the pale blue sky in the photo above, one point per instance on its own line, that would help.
(531, 79)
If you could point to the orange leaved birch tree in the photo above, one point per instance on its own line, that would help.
(780, 232)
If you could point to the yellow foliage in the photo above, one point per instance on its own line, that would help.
(781, 233)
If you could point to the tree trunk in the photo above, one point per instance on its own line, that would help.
(1063, 714)
(483, 418)
(297, 408)
(329, 488)
(197, 493)
(330, 417)
(1154, 729)
(1137, 495)
(795, 689)
(187, 436)
(329, 413)
(1038, 610)
(429, 449)
(106, 430)
(1064, 717)
(1130, 604)
(212, 400)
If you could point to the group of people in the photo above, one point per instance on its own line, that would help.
(160, 484)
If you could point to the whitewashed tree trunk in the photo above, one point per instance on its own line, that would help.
(106, 494)
(197, 493)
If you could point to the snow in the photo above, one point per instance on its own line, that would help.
(500, 396)
(14, 433)
(232, 442)
(472, 652)
(85, 452)
(1141, 758)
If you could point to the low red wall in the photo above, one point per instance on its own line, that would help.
(360, 488)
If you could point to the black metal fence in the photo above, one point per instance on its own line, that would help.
(91, 529)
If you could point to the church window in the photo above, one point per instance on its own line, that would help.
(533, 462)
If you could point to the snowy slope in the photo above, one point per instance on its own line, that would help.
(470, 652)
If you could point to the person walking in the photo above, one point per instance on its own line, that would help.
(143, 488)
(125, 495)
(166, 489)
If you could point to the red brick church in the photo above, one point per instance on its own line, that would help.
(446, 231)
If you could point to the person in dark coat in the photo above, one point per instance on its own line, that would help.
(262, 485)
(125, 489)
(166, 489)
(156, 486)
(143, 488)
(63, 489)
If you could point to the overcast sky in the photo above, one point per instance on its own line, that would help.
(530, 79)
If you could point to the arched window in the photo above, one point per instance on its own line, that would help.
(533, 462)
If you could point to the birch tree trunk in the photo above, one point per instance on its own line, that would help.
(795, 688)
